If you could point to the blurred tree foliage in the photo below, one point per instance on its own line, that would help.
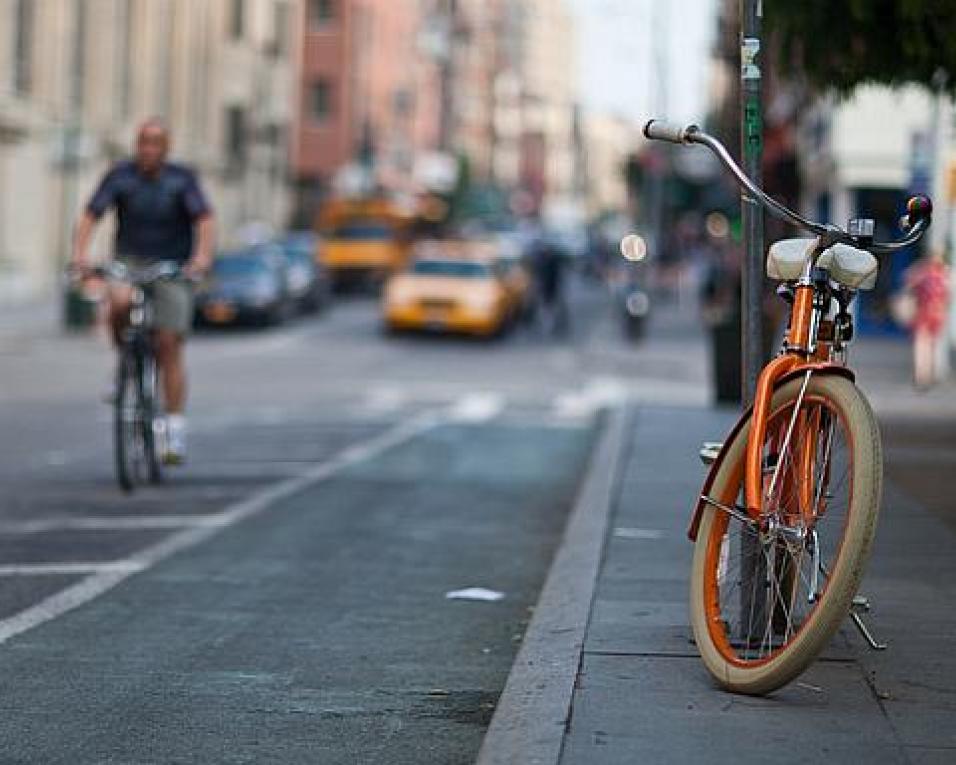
(840, 44)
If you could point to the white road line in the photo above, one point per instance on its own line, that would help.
(46, 569)
(600, 392)
(107, 523)
(383, 399)
(476, 407)
(106, 579)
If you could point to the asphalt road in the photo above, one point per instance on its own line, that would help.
(282, 598)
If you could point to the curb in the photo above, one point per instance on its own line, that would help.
(534, 708)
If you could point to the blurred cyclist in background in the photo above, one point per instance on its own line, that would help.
(548, 262)
(162, 215)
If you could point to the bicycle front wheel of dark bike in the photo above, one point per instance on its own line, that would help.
(131, 442)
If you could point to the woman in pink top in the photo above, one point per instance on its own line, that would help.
(928, 282)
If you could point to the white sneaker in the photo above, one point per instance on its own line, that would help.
(175, 453)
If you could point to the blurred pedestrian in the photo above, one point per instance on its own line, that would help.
(927, 281)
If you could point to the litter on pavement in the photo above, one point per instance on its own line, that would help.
(475, 593)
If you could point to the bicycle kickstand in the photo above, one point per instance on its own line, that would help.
(861, 605)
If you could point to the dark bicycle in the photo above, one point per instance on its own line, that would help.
(138, 435)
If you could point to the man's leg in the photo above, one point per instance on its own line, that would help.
(120, 297)
(172, 375)
(173, 304)
(172, 370)
(922, 359)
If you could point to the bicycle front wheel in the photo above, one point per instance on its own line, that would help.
(149, 398)
(768, 595)
(128, 443)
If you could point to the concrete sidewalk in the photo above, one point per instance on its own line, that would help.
(640, 693)
(40, 315)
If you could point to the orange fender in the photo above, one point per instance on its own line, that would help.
(822, 368)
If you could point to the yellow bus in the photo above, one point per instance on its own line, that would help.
(362, 239)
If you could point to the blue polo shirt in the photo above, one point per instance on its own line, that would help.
(156, 214)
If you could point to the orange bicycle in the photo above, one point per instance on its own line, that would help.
(785, 521)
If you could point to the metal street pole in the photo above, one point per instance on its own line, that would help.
(752, 605)
(660, 74)
(751, 137)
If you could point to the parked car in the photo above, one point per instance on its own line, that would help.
(450, 287)
(245, 285)
(307, 280)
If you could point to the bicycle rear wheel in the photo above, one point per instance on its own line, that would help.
(767, 596)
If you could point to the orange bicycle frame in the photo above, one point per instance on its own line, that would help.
(796, 362)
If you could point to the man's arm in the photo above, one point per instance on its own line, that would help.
(200, 210)
(201, 260)
(81, 240)
(103, 198)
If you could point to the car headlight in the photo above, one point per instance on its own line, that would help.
(395, 295)
(261, 296)
(481, 301)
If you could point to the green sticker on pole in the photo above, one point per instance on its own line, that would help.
(753, 125)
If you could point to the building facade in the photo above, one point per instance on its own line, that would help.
(75, 80)
(388, 85)
(367, 101)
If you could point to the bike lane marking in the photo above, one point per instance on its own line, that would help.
(111, 523)
(105, 576)
(66, 569)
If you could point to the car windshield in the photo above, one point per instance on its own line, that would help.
(238, 266)
(298, 256)
(461, 268)
(298, 248)
(363, 230)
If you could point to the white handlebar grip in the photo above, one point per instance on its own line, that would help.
(658, 130)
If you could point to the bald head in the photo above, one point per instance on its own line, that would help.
(152, 145)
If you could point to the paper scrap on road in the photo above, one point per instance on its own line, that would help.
(627, 532)
(475, 593)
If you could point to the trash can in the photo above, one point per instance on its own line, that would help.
(726, 356)
(725, 360)
(79, 309)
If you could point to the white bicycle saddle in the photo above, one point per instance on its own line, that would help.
(849, 266)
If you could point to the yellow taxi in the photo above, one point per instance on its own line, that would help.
(450, 287)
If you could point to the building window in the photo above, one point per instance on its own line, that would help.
(237, 19)
(78, 80)
(280, 32)
(321, 11)
(235, 138)
(164, 76)
(23, 47)
(320, 100)
(126, 24)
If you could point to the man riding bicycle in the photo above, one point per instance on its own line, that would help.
(162, 215)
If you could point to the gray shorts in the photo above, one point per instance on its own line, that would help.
(172, 303)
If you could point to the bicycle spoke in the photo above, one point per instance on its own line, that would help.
(765, 587)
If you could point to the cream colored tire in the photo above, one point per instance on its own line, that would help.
(825, 618)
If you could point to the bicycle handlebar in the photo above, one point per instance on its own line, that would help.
(118, 271)
(919, 208)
